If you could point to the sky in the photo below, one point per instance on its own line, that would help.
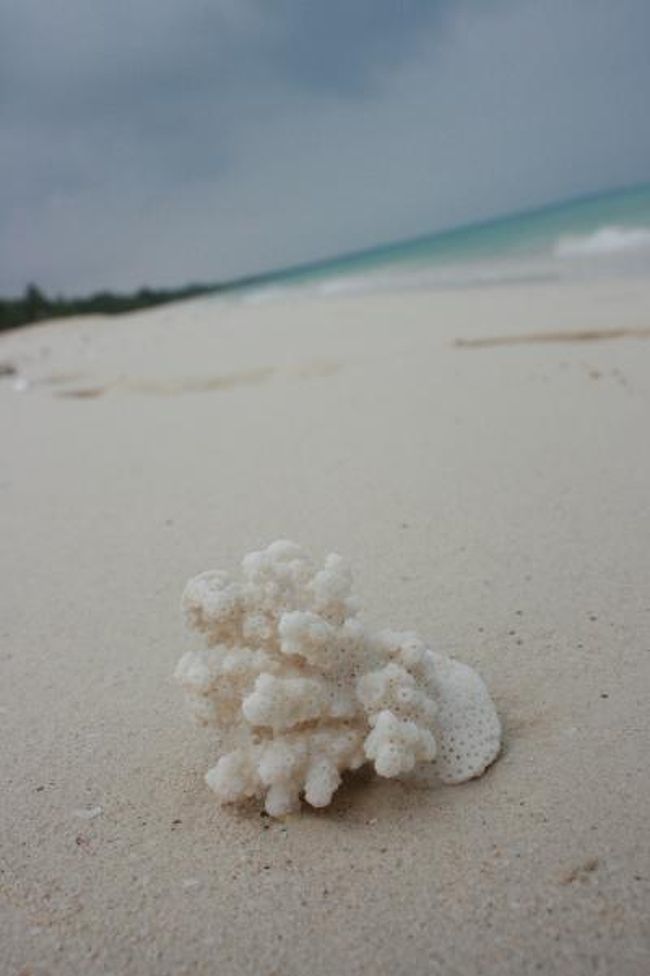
(165, 141)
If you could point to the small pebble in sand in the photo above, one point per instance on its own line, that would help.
(89, 813)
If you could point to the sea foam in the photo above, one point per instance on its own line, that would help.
(604, 241)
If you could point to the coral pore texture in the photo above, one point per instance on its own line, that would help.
(300, 690)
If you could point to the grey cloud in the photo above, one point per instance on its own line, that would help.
(173, 140)
(69, 54)
(342, 47)
(164, 83)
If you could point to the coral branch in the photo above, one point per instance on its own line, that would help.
(303, 691)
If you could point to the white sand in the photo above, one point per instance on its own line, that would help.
(495, 498)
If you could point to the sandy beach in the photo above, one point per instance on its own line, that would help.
(482, 459)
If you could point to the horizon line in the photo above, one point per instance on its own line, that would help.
(311, 265)
(273, 273)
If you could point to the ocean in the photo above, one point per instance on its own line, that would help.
(600, 235)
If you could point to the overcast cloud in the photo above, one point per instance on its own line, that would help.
(162, 141)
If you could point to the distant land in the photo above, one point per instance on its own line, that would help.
(35, 306)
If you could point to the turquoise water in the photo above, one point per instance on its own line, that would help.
(604, 234)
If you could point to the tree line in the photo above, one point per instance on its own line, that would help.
(34, 305)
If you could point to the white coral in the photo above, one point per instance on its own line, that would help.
(301, 691)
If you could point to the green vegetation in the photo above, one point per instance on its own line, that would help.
(34, 305)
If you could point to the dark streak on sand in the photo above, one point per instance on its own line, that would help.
(586, 335)
(581, 871)
(174, 387)
(199, 384)
(88, 393)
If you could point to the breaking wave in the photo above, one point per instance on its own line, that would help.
(604, 241)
